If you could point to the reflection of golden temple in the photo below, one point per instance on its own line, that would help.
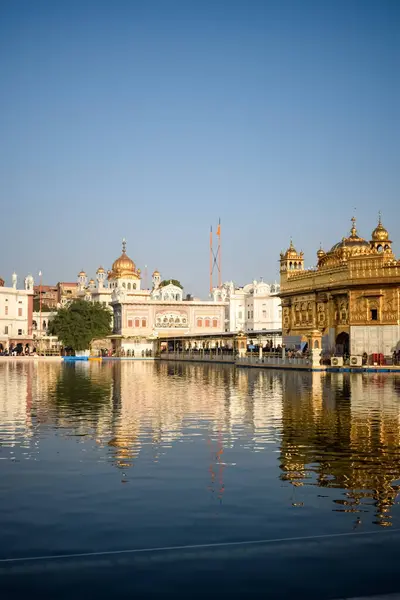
(354, 287)
(350, 442)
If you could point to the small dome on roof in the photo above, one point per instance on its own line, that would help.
(380, 234)
(291, 252)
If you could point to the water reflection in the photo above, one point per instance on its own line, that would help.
(336, 433)
(343, 432)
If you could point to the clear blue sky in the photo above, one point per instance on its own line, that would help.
(150, 119)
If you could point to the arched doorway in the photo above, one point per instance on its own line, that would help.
(343, 343)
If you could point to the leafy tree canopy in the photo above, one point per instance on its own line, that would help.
(81, 322)
(36, 306)
(173, 281)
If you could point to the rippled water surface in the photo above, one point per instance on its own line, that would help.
(98, 457)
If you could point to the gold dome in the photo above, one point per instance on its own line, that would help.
(124, 263)
(124, 266)
(82, 274)
(351, 244)
(100, 270)
(291, 251)
(380, 234)
(156, 273)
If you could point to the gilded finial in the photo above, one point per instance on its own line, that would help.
(353, 229)
(123, 245)
(291, 243)
(380, 217)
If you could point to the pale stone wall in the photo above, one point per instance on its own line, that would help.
(138, 347)
(381, 339)
(137, 321)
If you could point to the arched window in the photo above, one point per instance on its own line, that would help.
(207, 323)
(137, 322)
(199, 322)
(215, 322)
(130, 323)
(144, 323)
(129, 286)
(290, 265)
(44, 324)
(134, 286)
(123, 284)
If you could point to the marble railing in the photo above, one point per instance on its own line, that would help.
(273, 360)
(267, 360)
(199, 356)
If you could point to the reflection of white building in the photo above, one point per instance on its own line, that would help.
(253, 307)
(16, 308)
(15, 405)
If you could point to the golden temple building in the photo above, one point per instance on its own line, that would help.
(350, 302)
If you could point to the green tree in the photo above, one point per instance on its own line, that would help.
(78, 324)
(173, 281)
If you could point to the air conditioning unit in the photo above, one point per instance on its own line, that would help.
(337, 361)
(355, 361)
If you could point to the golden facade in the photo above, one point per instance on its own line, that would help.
(352, 297)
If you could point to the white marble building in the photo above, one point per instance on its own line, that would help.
(141, 316)
(255, 307)
(16, 309)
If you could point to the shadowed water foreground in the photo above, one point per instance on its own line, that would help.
(103, 458)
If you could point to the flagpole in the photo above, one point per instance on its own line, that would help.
(219, 254)
(40, 312)
(211, 259)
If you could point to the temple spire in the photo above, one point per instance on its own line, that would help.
(123, 245)
(353, 230)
